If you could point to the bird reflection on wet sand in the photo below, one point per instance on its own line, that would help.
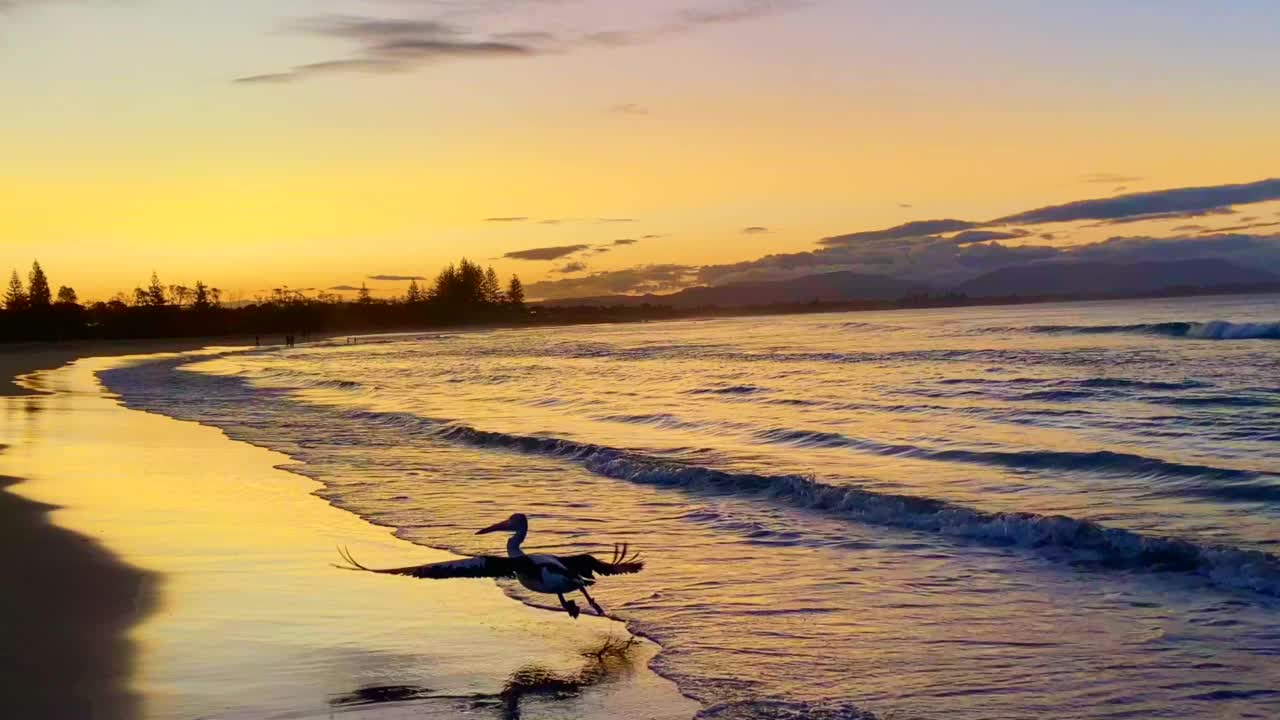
(610, 657)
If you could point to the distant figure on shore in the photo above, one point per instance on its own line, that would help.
(551, 574)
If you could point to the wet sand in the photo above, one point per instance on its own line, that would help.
(64, 615)
(250, 620)
(19, 359)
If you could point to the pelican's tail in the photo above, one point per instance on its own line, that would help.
(351, 562)
(624, 562)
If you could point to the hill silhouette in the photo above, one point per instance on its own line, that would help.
(1102, 279)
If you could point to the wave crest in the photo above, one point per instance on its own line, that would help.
(1213, 330)
(1077, 541)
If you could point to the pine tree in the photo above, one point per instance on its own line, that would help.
(363, 297)
(155, 292)
(491, 287)
(414, 294)
(446, 283)
(470, 283)
(67, 296)
(200, 297)
(515, 292)
(38, 294)
(15, 299)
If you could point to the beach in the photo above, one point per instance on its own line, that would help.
(170, 572)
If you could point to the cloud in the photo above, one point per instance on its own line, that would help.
(343, 287)
(552, 221)
(1159, 203)
(640, 279)
(944, 253)
(546, 253)
(629, 109)
(1107, 178)
(745, 10)
(1246, 226)
(755, 230)
(573, 267)
(267, 78)
(625, 241)
(385, 45)
(615, 220)
(650, 237)
(514, 218)
(918, 228)
(905, 205)
(1164, 216)
(395, 277)
(977, 236)
(692, 19)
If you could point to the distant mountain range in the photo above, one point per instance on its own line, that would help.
(1097, 279)
(1056, 279)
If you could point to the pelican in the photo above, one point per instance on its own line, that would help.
(551, 574)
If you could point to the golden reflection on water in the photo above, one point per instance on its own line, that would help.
(251, 620)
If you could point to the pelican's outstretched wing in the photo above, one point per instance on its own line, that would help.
(489, 566)
(588, 566)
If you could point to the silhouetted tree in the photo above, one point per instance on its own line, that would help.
(154, 295)
(515, 292)
(490, 287)
(465, 292)
(38, 294)
(15, 298)
(414, 294)
(200, 298)
(179, 295)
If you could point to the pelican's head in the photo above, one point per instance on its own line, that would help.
(516, 523)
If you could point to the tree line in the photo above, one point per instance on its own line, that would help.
(461, 293)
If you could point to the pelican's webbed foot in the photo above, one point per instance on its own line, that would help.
(570, 607)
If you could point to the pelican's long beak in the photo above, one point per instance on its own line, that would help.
(504, 525)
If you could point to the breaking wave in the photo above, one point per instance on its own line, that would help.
(1078, 541)
(1215, 330)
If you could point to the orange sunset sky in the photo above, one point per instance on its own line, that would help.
(317, 143)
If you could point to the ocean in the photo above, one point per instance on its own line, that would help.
(1066, 511)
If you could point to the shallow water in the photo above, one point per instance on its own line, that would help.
(1059, 510)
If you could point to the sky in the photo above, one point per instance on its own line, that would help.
(598, 146)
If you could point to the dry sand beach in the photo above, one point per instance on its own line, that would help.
(150, 575)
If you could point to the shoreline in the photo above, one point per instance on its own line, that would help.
(85, 644)
(250, 620)
(27, 358)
